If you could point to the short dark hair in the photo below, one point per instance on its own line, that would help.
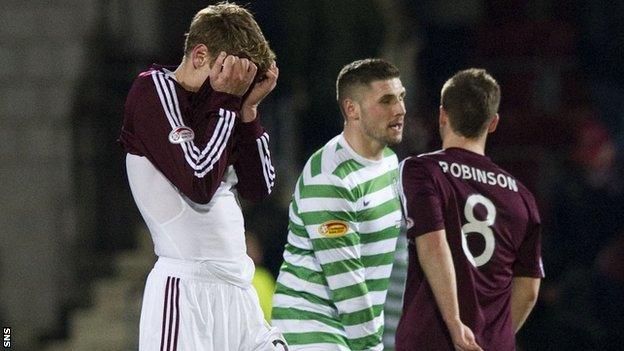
(362, 72)
(471, 99)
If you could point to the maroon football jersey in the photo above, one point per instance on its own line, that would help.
(493, 229)
(193, 137)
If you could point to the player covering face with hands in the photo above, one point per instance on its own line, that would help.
(229, 74)
(195, 143)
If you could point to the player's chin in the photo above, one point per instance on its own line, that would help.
(394, 138)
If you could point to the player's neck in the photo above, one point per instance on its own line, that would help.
(362, 145)
(475, 145)
(187, 76)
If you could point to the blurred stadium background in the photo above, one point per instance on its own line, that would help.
(73, 249)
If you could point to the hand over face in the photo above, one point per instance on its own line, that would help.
(232, 74)
(262, 88)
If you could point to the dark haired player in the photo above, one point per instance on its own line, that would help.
(474, 232)
(345, 217)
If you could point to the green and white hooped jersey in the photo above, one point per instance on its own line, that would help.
(345, 218)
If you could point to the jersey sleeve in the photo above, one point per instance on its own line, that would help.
(152, 112)
(529, 257)
(255, 172)
(329, 216)
(420, 198)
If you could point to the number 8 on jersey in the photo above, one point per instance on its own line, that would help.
(475, 226)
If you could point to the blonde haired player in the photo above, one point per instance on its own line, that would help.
(193, 141)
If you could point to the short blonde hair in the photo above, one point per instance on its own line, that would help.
(230, 28)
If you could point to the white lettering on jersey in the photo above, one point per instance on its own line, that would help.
(478, 175)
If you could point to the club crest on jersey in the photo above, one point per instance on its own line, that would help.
(181, 135)
(333, 229)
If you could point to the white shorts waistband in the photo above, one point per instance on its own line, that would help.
(187, 269)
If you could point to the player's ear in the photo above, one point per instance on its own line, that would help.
(443, 118)
(493, 124)
(351, 109)
(200, 56)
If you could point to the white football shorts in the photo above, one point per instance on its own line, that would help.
(187, 308)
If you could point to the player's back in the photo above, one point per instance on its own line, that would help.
(491, 224)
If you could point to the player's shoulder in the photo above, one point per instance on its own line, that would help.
(433, 157)
(337, 164)
(144, 82)
(426, 161)
(528, 197)
(522, 189)
(317, 178)
(143, 94)
(524, 192)
(155, 80)
(143, 87)
(146, 77)
(338, 159)
(323, 163)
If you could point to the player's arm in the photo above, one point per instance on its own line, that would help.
(152, 112)
(524, 293)
(527, 270)
(436, 261)
(419, 195)
(330, 222)
(256, 175)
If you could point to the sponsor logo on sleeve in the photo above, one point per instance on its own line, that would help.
(181, 135)
(333, 229)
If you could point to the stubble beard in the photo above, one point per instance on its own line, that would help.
(395, 140)
(381, 136)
